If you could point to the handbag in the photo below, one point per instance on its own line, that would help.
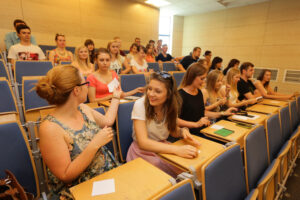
(10, 189)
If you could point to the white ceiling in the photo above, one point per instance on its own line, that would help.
(191, 7)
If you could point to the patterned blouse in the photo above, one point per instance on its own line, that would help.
(58, 58)
(77, 142)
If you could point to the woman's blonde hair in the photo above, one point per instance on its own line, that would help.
(77, 59)
(58, 84)
(211, 81)
(118, 56)
(229, 78)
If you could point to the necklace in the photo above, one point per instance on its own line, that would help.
(60, 52)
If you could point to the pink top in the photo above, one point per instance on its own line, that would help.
(101, 88)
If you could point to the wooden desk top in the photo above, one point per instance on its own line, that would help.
(207, 150)
(274, 102)
(136, 179)
(263, 109)
(237, 136)
(259, 118)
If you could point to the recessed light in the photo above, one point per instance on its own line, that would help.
(157, 3)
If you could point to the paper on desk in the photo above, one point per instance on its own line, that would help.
(273, 102)
(103, 187)
(112, 85)
(215, 126)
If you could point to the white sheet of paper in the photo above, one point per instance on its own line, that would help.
(215, 126)
(275, 102)
(112, 85)
(103, 187)
(239, 117)
(244, 117)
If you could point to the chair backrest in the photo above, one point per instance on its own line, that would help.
(16, 156)
(256, 156)
(131, 81)
(154, 66)
(31, 68)
(178, 76)
(31, 100)
(169, 67)
(3, 70)
(65, 62)
(182, 190)
(223, 176)
(124, 128)
(294, 115)
(285, 122)
(7, 100)
(46, 48)
(274, 137)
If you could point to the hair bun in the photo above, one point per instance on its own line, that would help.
(46, 90)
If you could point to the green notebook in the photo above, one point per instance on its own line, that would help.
(224, 132)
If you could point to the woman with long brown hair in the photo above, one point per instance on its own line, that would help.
(193, 114)
(154, 119)
(263, 86)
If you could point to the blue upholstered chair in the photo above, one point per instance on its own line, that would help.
(182, 190)
(30, 68)
(32, 103)
(131, 81)
(124, 128)
(3, 70)
(16, 156)
(65, 62)
(7, 101)
(154, 66)
(258, 172)
(223, 176)
(169, 67)
(178, 76)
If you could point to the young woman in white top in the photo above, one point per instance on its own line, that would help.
(117, 61)
(263, 86)
(154, 119)
(132, 51)
(230, 89)
(82, 61)
(138, 63)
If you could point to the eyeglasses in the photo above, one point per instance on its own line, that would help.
(85, 83)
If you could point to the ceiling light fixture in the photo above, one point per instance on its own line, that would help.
(157, 3)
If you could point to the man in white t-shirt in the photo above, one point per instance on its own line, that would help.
(25, 50)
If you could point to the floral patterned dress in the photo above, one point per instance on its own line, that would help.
(77, 142)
